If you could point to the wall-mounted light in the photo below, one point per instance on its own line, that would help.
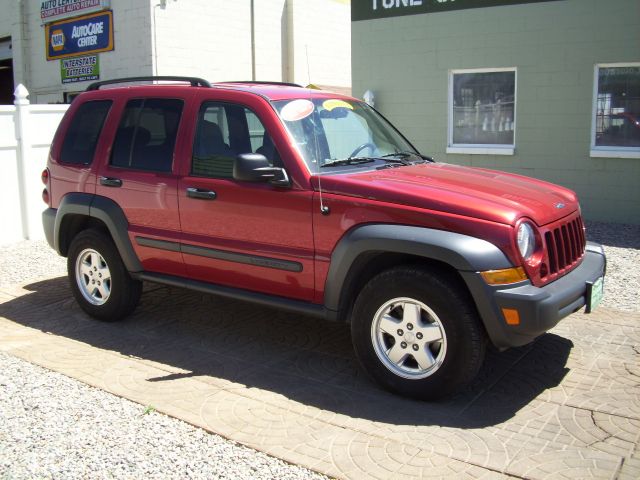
(369, 98)
(163, 4)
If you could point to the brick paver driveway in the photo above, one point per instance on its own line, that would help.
(566, 406)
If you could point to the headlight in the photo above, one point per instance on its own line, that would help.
(526, 240)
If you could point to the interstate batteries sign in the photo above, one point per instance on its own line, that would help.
(52, 10)
(369, 9)
(81, 35)
(80, 69)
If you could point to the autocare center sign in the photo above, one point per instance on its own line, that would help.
(370, 9)
(83, 35)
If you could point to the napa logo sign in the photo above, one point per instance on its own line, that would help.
(82, 35)
(57, 40)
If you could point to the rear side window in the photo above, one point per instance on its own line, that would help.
(80, 142)
(146, 136)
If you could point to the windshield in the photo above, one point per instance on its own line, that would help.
(332, 133)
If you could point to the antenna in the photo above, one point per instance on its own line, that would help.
(324, 209)
(306, 50)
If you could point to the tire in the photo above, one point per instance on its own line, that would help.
(417, 333)
(99, 280)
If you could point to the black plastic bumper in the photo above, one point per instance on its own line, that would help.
(49, 224)
(540, 308)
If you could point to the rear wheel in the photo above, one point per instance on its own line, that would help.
(417, 333)
(99, 280)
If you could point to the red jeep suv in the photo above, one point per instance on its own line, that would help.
(312, 202)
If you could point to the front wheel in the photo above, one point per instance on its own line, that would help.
(417, 333)
(99, 280)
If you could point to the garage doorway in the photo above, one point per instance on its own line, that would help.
(6, 72)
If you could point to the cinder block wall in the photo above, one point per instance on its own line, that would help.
(554, 46)
(133, 44)
(204, 38)
(319, 37)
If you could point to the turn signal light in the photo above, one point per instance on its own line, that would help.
(45, 196)
(505, 276)
(511, 316)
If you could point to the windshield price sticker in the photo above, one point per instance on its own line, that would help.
(335, 103)
(297, 110)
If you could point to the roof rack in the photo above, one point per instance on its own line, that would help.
(258, 82)
(194, 81)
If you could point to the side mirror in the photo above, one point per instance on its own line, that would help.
(254, 167)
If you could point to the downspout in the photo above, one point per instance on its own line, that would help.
(253, 41)
(23, 71)
(155, 38)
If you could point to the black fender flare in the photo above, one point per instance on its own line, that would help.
(109, 213)
(462, 252)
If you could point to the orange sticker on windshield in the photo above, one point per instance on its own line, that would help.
(296, 110)
(335, 103)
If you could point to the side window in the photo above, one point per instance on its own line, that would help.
(80, 142)
(146, 136)
(224, 131)
(256, 130)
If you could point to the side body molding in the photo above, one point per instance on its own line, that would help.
(462, 252)
(109, 213)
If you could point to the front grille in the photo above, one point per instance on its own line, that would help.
(565, 245)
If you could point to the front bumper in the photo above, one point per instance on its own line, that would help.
(540, 308)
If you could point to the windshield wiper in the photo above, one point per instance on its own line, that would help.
(387, 158)
(348, 161)
(405, 154)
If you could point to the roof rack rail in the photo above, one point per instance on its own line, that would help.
(194, 81)
(260, 82)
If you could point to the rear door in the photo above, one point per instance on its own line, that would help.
(253, 236)
(138, 173)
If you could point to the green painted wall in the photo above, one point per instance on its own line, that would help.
(406, 60)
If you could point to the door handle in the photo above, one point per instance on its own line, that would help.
(201, 194)
(110, 182)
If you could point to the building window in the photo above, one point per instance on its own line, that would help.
(616, 111)
(482, 111)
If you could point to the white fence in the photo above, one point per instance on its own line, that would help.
(26, 132)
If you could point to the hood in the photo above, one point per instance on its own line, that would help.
(473, 192)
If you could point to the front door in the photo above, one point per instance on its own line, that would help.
(253, 236)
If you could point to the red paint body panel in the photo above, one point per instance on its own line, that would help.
(155, 260)
(349, 212)
(470, 192)
(251, 219)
